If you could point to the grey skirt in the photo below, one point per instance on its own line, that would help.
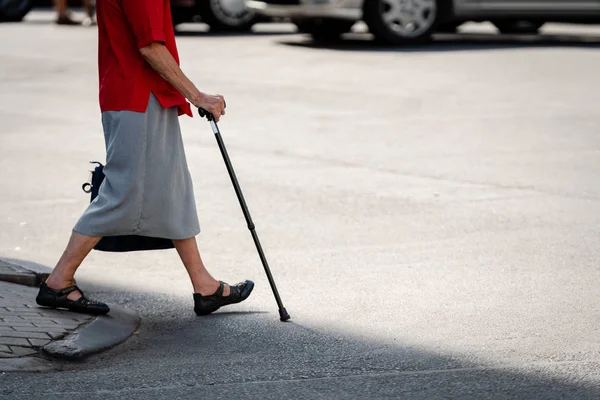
(147, 189)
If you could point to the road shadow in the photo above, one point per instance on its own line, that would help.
(35, 22)
(364, 42)
(252, 354)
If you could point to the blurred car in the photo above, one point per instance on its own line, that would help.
(410, 21)
(14, 10)
(220, 15)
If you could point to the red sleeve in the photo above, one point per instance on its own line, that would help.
(145, 19)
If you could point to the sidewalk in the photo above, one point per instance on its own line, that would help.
(24, 327)
(30, 334)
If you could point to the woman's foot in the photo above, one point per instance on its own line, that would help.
(207, 304)
(71, 298)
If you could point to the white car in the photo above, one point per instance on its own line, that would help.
(409, 21)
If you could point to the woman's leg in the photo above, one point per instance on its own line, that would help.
(78, 248)
(202, 280)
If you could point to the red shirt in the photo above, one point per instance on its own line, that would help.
(126, 79)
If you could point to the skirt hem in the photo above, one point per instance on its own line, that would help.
(80, 231)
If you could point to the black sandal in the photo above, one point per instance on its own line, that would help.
(204, 305)
(53, 298)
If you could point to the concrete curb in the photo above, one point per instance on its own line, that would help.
(13, 273)
(41, 271)
(102, 333)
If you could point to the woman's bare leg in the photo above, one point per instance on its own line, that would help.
(202, 280)
(78, 248)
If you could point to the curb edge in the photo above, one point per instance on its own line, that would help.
(26, 276)
(102, 333)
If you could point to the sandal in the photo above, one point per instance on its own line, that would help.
(204, 305)
(53, 298)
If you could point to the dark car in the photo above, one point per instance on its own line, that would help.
(220, 15)
(14, 10)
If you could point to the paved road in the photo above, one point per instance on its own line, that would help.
(431, 215)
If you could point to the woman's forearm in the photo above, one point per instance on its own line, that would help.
(161, 60)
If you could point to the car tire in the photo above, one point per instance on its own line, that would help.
(14, 10)
(518, 27)
(180, 15)
(449, 27)
(391, 24)
(324, 29)
(227, 15)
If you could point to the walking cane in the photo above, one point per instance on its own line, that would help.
(283, 314)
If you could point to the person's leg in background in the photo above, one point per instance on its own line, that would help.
(63, 17)
(90, 12)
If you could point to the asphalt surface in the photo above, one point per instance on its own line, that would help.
(431, 215)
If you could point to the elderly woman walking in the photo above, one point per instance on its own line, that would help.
(147, 189)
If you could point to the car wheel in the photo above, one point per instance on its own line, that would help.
(518, 27)
(227, 15)
(14, 10)
(401, 21)
(324, 29)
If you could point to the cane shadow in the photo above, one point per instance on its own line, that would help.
(225, 314)
(363, 42)
(257, 356)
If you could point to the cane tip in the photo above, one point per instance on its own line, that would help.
(283, 315)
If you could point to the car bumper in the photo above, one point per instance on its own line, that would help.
(341, 9)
